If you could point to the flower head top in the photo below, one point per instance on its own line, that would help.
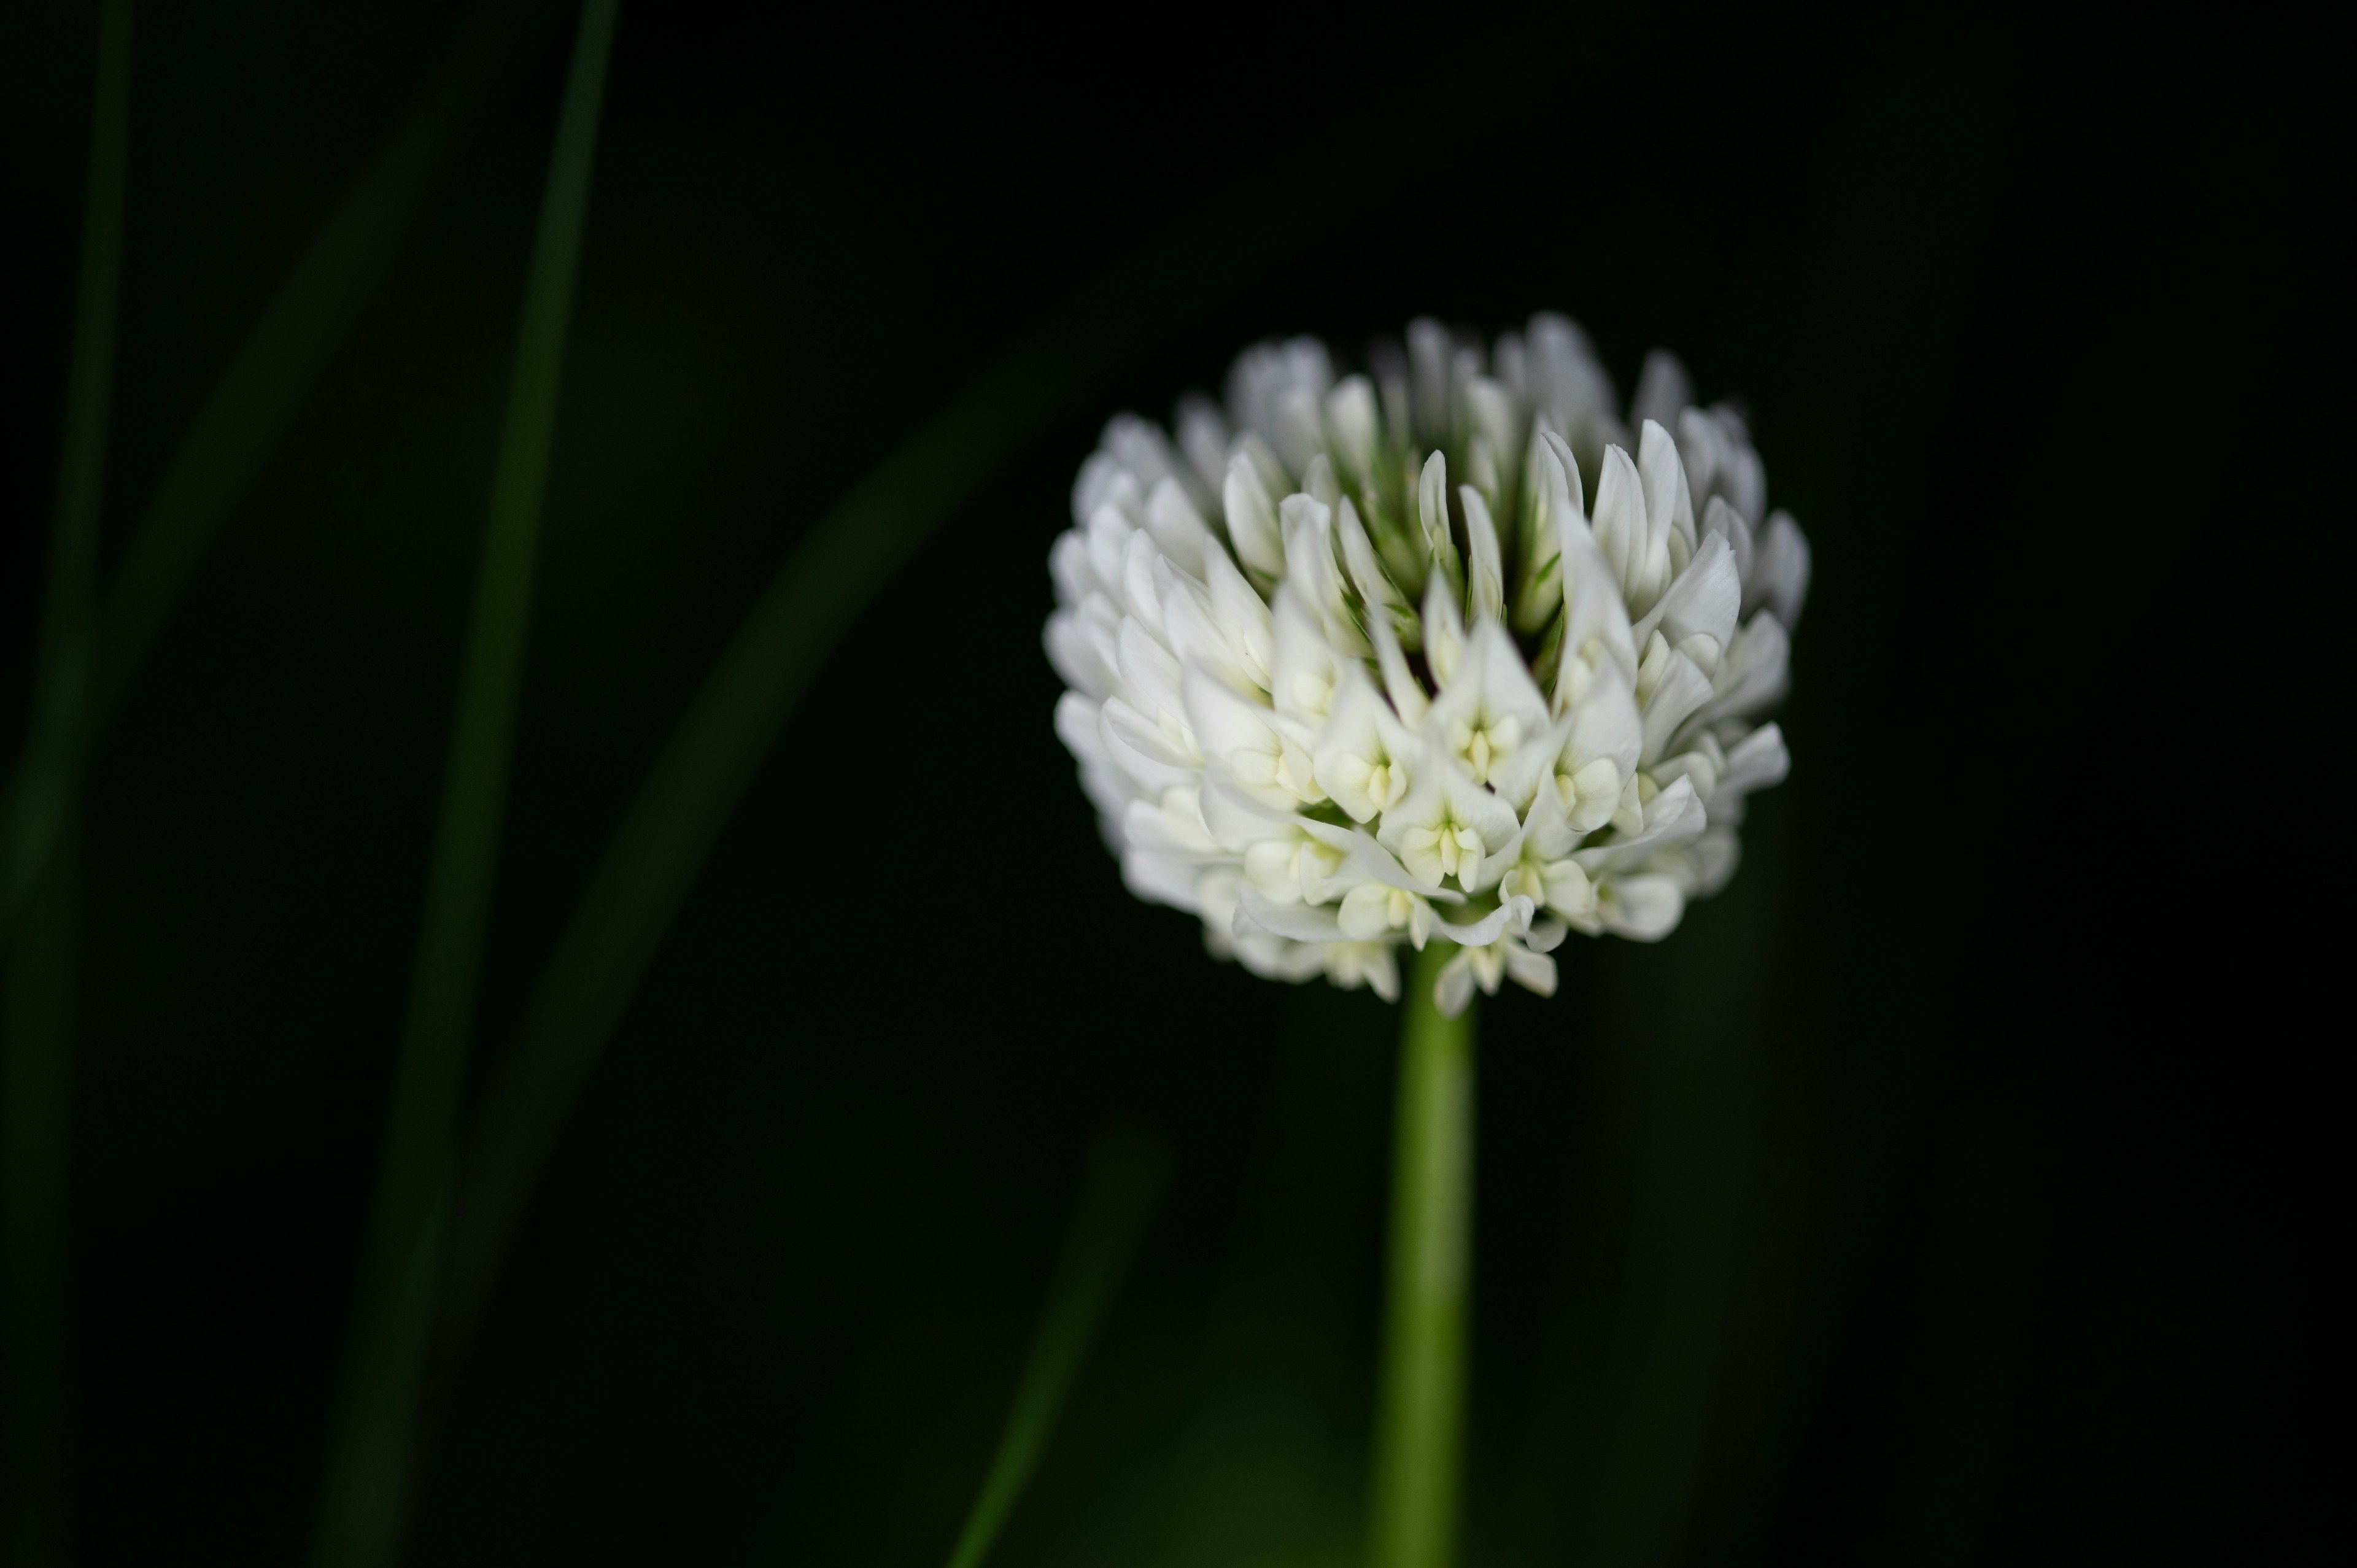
(1439, 650)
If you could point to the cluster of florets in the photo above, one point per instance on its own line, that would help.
(1331, 701)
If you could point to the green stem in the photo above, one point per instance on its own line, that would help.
(364, 1483)
(36, 1027)
(1423, 1400)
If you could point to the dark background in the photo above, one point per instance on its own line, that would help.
(1934, 1195)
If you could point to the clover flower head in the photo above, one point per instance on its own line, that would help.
(1442, 648)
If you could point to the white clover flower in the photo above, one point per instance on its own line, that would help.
(1353, 663)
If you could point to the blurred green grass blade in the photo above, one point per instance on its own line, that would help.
(1129, 1175)
(364, 1484)
(257, 397)
(37, 1029)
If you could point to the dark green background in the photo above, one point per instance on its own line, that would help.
(1923, 1201)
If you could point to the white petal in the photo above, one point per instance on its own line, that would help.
(1275, 480)
(1093, 486)
(1318, 480)
(1353, 424)
(1304, 673)
(1644, 907)
(1145, 828)
(1293, 425)
(1229, 726)
(1252, 520)
(1236, 817)
(1369, 861)
(1301, 922)
(1408, 695)
(1453, 989)
(1431, 513)
(1553, 478)
(1568, 891)
(1108, 541)
(1178, 529)
(1595, 620)
(1428, 350)
(1703, 867)
(1384, 600)
(1758, 762)
(1076, 725)
(1512, 915)
(1361, 734)
(1444, 799)
(1723, 520)
(1492, 413)
(1444, 631)
(1701, 601)
(1203, 436)
(1607, 726)
(1476, 807)
(1547, 832)
(1274, 958)
(1142, 448)
(1195, 636)
(1307, 524)
(1149, 674)
(1532, 971)
(1138, 748)
(1668, 504)
(1141, 592)
(1753, 675)
(1678, 691)
(1620, 525)
(1365, 914)
(1241, 614)
(1100, 623)
(1506, 684)
(1779, 570)
(1672, 817)
(1485, 583)
(1516, 779)
(1110, 790)
(1662, 389)
(1075, 658)
(1068, 563)
(1161, 878)
(1703, 445)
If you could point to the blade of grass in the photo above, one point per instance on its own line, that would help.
(1129, 1175)
(364, 1484)
(37, 1054)
(258, 396)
